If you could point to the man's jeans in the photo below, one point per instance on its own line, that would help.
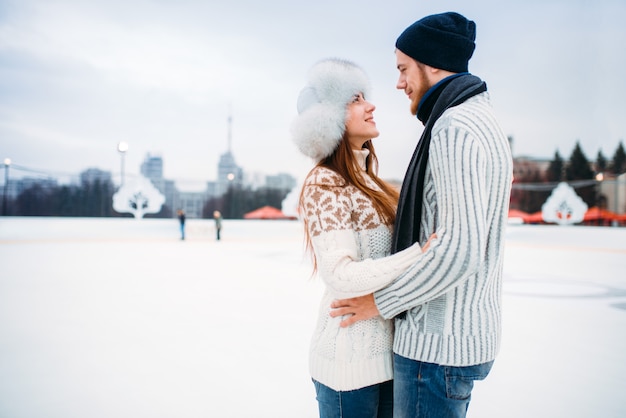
(427, 390)
(374, 401)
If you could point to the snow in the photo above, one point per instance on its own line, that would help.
(120, 318)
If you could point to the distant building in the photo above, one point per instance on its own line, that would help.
(168, 189)
(613, 190)
(191, 203)
(527, 168)
(213, 189)
(282, 181)
(228, 172)
(93, 175)
(15, 187)
(152, 167)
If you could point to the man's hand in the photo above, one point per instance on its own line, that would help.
(360, 308)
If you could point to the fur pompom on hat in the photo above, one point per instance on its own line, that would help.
(322, 106)
(444, 41)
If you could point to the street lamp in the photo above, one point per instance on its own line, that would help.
(598, 192)
(122, 147)
(616, 185)
(7, 164)
(599, 178)
(231, 195)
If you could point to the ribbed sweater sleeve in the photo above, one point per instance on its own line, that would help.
(345, 277)
(344, 229)
(458, 169)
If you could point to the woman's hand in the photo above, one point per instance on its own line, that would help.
(427, 245)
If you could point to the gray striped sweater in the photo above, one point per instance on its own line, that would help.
(453, 292)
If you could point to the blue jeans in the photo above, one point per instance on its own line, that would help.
(374, 401)
(427, 390)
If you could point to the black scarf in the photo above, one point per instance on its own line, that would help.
(450, 92)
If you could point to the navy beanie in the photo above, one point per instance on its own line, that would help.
(444, 41)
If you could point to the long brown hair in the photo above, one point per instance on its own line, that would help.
(343, 162)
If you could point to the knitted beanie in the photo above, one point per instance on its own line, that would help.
(444, 41)
(322, 106)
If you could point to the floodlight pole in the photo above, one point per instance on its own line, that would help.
(122, 147)
(615, 192)
(7, 164)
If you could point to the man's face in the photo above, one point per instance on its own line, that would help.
(413, 79)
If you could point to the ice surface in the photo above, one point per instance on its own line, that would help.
(120, 318)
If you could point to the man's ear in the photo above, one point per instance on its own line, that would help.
(436, 74)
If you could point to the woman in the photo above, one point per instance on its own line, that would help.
(348, 214)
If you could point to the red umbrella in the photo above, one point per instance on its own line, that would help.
(267, 212)
(534, 217)
(598, 214)
(516, 213)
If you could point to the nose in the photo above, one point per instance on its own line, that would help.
(401, 84)
(370, 107)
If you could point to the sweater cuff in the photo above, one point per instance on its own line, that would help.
(388, 305)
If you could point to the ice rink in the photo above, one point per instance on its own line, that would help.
(120, 318)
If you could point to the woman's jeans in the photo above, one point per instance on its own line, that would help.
(433, 391)
(374, 401)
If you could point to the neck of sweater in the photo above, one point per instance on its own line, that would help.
(361, 155)
(426, 104)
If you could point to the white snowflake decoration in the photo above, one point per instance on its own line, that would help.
(564, 206)
(138, 196)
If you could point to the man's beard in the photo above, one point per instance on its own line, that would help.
(414, 104)
(424, 86)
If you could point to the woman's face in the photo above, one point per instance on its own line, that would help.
(360, 125)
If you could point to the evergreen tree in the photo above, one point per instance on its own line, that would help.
(211, 205)
(555, 169)
(578, 167)
(34, 202)
(618, 164)
(601, 162)
(238, 200)
(63, 201)
(235, 202)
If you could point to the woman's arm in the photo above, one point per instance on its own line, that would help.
(328, 211)
(337, 261)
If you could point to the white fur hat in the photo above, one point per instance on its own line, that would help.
(321, 120)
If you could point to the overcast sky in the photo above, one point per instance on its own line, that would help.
(77, 77)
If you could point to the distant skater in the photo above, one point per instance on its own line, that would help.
(181, 219)
(218, 223)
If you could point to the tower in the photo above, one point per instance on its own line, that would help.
(228, 173)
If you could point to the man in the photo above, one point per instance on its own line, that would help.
(181, 220)
(447, 306)
(218, 223)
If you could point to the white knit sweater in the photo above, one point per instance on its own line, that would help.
(349, 239)
(453, 292)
